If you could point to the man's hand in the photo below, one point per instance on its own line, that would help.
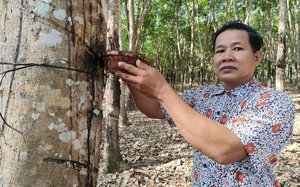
(144, 79)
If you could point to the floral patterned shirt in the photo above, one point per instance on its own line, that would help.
(263, 120)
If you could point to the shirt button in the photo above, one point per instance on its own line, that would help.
(218, 112)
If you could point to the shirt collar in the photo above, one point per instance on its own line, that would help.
(243, 89)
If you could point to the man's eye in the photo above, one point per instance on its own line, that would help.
(237, 48)
(220, 51)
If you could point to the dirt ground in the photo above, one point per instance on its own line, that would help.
(156, 155)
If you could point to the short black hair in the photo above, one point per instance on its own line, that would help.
(255, 39)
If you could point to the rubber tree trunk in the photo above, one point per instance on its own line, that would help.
(249, 8)
(180, 50)
(236, 14)
(280, 60)
(123, 119)
(297, 64)
(51, 125)
(192, 63)
(111, 153)
(269, 44)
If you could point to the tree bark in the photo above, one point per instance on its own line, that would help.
(236, 14)
(175, 68)
(269, 45)
(297, 63)
(132, 27)
(54, 112)
(249, 8)
(269, 50)
(280, 60)
(213, 4)
(172, 68)
(225, 13)
(215, 30)
(205, 46)
(123, 119)
(291, 47)
(202, 47)
(192, 65)
(136, 26)
(180, 51)
(111, 152)
(262, 73)
(269, 84)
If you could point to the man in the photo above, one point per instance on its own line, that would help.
(237, 130)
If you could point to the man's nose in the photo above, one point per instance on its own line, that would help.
(228, 55)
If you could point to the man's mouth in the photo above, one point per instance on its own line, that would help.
(227, 68)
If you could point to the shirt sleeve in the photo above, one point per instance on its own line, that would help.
(188, 97)
(264, 127)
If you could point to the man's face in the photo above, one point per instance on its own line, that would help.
(234, 60)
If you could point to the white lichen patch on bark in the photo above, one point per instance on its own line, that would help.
(51, 39)
(60, 128)
(60, 14)
(82, 84)
(35, 116)
(76, 144)
(2, 53)
(83, 171)
(96, 111)
(46, 147)
(61, 61)
(69, 82)
(41, 9)
(92, 135)
(79, 19)
(67, 136)
(23, 155)
(83, 102)
(82, 125)
(40, 107)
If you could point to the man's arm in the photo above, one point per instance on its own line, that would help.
(209, 137)
(149, 107)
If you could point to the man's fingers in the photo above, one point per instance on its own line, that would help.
(141, 65)
(125, 77)
(130, 68)
(122, 81)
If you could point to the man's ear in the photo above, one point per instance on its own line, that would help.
(258, 57)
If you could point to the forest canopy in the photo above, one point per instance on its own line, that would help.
(178, 33)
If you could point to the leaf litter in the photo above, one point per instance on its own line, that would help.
(155, 155)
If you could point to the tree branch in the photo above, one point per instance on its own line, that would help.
(127, 17)
(190, 16)
(148, 3)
